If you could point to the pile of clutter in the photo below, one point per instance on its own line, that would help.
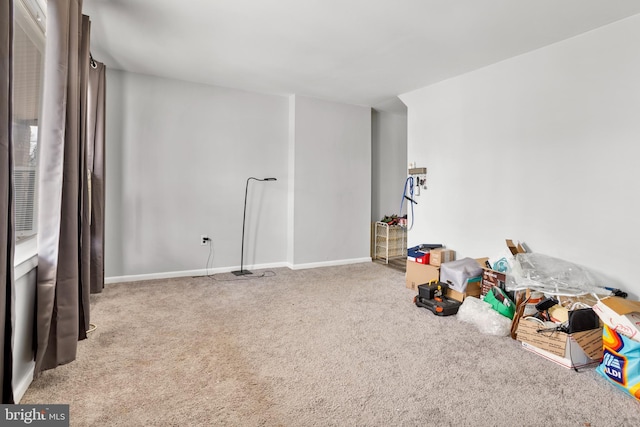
(559, 310)
(394, 220)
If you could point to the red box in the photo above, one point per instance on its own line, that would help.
(423, 259)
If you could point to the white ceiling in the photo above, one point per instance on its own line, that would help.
(354, 51)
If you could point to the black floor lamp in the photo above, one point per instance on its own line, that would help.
(242, 271)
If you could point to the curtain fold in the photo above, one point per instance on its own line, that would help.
(6, 202)
(96, 165)
(62, 306)
(83, 181)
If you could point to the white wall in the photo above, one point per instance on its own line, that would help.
(178, 156)
(542, 148)
(332, 182)
(24, 309)
(388, 162)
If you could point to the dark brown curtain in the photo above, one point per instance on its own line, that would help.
(96, 166)
(83, 183)
(6, 201)
(63, 247)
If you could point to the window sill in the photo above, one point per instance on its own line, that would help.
(25, 257)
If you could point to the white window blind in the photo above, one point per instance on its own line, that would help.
(28, 71)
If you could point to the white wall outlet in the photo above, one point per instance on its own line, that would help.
(204, 239)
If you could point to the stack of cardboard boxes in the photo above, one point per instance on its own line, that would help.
(424, 266)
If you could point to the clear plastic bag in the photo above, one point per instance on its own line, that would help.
(487, 320)
(553, 276)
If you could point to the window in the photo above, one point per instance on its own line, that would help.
(28, 72)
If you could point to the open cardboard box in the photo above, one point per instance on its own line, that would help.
(472, 290)
(515, 247)
(621, 315)
(576, 350)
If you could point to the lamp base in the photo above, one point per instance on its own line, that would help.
(241, 272)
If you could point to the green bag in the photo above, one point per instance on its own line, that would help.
(500, 302)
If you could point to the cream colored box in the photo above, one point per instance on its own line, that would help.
(439, 256)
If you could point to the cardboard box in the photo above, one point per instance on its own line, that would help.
(483, 262)
(515, 248)
(491, 278)
(576, 350)
(441, 255)
(621, 315)
(418, 274)
(473, 290)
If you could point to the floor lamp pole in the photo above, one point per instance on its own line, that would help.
(242, 271)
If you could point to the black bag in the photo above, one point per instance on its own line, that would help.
(583, 319)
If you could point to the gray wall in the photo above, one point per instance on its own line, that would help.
(388, 162)
(332, 181)
(179, 154)
(542, 148)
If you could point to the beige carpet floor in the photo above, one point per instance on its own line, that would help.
(335, 346)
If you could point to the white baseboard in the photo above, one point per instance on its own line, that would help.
(204, 272)
(20, 385)
(329, 263)
(188, 273)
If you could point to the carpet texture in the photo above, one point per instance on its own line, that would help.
(335, 346)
